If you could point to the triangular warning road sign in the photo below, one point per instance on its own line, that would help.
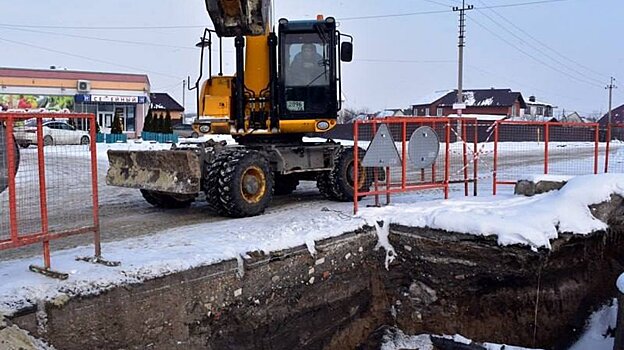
(382, 151)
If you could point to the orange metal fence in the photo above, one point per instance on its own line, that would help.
(400, 170)
(614, 154)
(51, 168)
(524, 147)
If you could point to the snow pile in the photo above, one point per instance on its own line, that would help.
(620, 283)
(599, 331)
(533, 221)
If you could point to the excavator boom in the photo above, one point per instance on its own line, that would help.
(239, 17)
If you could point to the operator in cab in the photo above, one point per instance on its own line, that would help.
(308, 67)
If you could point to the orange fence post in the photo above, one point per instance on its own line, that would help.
(606, 168)
(94, 186)
(11, 168)
(546, 139)
(495, 166)
(447, 159)
(404, 157)
(43, 201)
(356, 161)
(596, 145)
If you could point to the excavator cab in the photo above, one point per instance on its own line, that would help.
(286, 82)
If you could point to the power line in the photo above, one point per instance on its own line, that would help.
(438, 3)
(30, 45)
(446, 11)
(100, 39)
(546, 64)
(543, 44)
(102, 27)
(521, 39)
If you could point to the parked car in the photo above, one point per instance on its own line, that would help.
(54, 133)
(185, 130)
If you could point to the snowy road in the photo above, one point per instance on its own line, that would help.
(124, 213)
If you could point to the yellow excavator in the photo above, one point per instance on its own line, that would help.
(287, 85)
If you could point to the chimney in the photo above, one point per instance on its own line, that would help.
(531, 98)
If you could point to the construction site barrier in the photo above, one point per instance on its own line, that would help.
(52, 191)
(614, 159)
(527, 148)
(397, 173)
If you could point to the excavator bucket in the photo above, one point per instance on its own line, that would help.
(165, 171)
(239, 17)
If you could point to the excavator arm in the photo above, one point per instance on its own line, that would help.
(239, 17)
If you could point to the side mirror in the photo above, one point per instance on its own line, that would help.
(346, 51)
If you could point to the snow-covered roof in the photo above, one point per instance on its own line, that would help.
(484, 117)
(431, 98)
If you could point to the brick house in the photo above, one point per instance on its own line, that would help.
(501, 102)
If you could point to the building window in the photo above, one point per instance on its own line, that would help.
(514, 110)
(427, 111)
(439, 112)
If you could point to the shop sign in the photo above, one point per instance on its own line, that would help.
(110, 98)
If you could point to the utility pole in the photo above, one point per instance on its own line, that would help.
(184, 94)
(460, 70)
(610, 87)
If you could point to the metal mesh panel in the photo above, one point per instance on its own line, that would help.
(615, 159)
(53, 193)
(572, 149)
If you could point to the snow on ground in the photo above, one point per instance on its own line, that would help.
(524, 220)
(532, 221)
(598, 334)
(400, 341)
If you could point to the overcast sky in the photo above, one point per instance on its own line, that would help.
(563, 52)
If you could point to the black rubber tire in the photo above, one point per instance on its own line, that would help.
(167, 201)
(194, 135)
(324, 184)
(338, 183)
(230, 187)
(212, 173)
(48, 140)
(285, 184)
(84, 140)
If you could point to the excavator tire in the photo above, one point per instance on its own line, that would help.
(285, 184)
(166, 200)
(338, 183)
(245, 184)
(211, 180)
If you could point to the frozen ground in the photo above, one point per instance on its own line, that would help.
(597, 335)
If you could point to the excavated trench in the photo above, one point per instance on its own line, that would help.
(440, 282)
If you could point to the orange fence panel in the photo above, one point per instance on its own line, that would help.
(527, 148)
(456, 160)
(52, 190)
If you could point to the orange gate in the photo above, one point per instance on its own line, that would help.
(50, 164)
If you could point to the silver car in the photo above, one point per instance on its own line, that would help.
(185, 130)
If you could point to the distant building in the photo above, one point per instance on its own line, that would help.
(538, 111)
(161, 103)
(573, 117)
(617, 117)
(106, 95)
(500, 102)
(390, 112)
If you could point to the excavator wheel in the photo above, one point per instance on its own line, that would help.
(211, 180)
(167, 200)
(338, 183)
(285, 184)
(245, 184)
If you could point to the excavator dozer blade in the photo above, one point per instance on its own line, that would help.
(165, 171)
(239, 17)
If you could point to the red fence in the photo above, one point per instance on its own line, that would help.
(51, 177)
(614, 159)
(456, 160)
(555, 148)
